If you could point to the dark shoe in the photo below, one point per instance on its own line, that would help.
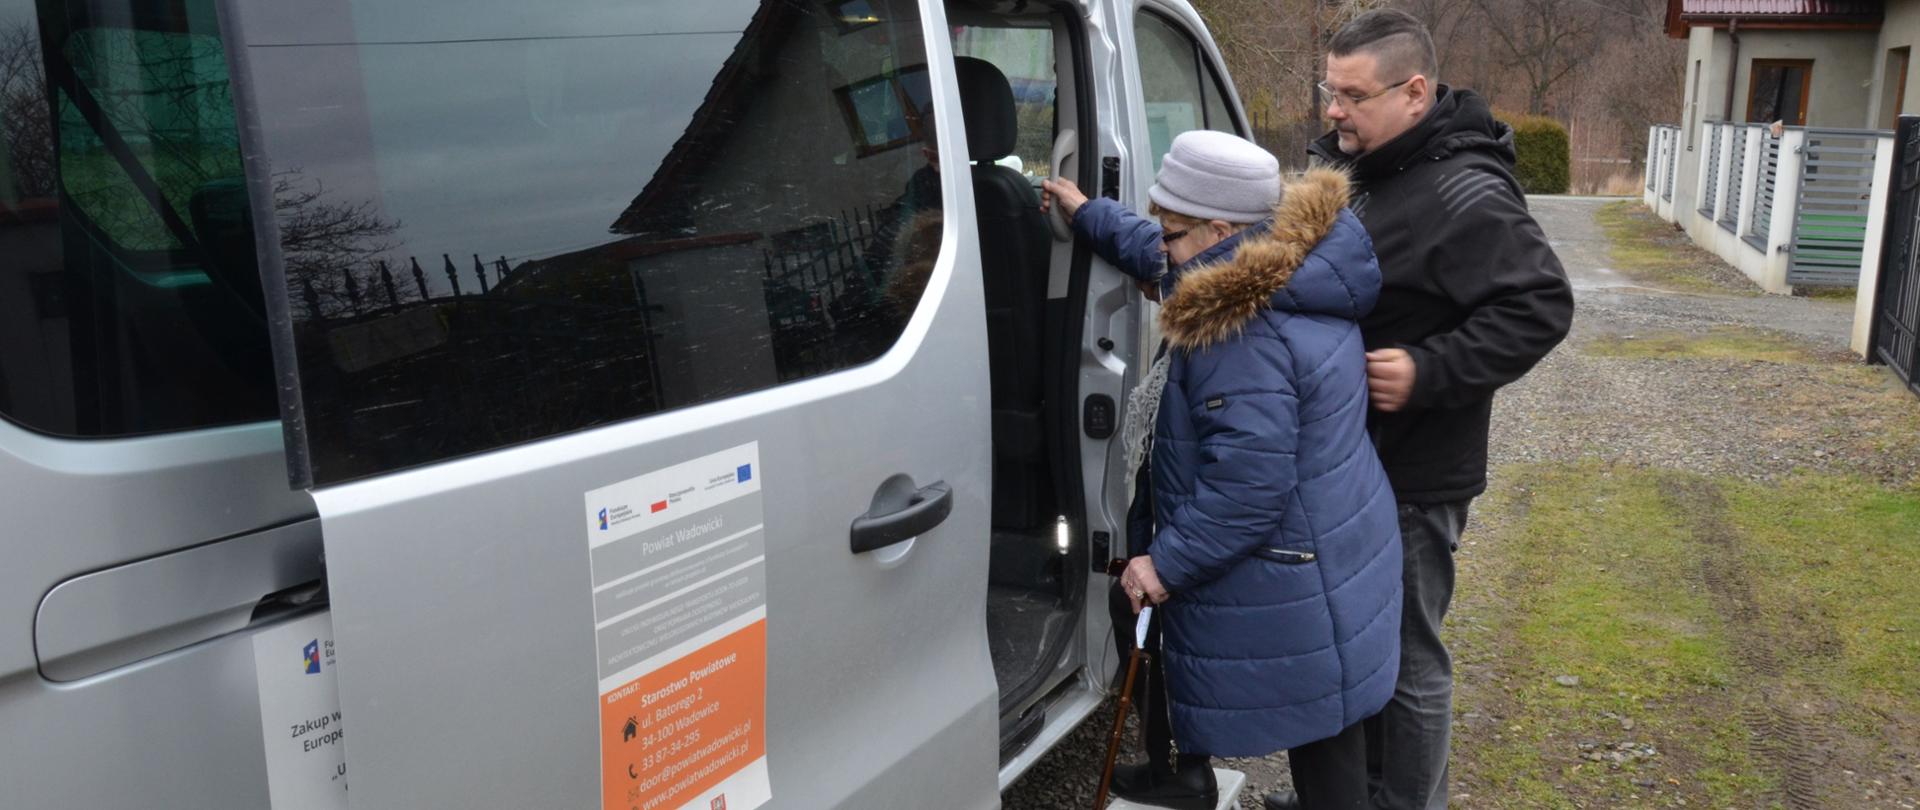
(1190, 789)
(1283, 800)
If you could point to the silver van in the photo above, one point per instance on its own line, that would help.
(563, 404)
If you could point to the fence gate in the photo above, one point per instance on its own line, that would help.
(1836, 191)
(1896, 319)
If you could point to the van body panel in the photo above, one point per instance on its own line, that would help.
(99, 621)
(79, 506)
(180, 723)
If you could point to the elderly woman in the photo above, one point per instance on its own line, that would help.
(1274, 550)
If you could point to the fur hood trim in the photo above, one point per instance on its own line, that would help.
(1213, 303)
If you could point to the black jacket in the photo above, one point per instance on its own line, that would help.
(1471, 289)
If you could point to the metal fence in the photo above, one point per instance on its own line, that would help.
(1767, 181)
(1711, 192)
(1736, 177)
(1896, 316)
(1835, 196)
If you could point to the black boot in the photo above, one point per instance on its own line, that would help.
(1189, 787)
(1283, 800)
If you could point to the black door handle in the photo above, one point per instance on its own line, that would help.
(900, 511)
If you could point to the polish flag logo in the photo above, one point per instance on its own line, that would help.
(659, 506)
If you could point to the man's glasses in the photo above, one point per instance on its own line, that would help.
(1170, 238)
(1349, 102)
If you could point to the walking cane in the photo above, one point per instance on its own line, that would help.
(1126, 701)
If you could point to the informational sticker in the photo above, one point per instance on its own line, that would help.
(300, 715)
(679, 578)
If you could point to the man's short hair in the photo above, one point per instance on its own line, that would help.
(1398, 41)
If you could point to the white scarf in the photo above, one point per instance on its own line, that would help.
(1143, 405)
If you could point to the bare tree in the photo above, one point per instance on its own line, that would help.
(1604, 67)
(331, 249)
(1445, 21)
(1545, 39)
(1271, 56)
(26, 125)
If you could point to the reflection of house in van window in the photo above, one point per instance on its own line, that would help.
(773, 227)
(781, 206)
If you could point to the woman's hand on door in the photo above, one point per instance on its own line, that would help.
(1064, 190)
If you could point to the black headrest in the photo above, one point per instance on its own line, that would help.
(986, 99)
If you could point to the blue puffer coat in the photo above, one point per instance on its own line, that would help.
(1277, 535)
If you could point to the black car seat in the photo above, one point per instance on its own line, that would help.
(1014, 244)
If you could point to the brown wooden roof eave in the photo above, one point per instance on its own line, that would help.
(1791, 15)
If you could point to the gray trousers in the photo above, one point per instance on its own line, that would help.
(1407, 741)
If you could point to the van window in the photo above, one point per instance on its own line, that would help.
(1025, 55)
(1180, 88)
(601, 211)
(129, 294)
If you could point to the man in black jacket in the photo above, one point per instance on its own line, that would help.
(1472, 298)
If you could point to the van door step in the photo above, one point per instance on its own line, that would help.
(1015, 738)
(1230, 784)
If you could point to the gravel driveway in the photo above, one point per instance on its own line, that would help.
(1734, 417)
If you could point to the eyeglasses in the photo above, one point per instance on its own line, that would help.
(1349, 102)
(1170, 238)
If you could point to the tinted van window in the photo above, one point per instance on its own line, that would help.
(1025, 56)
(129, 295)
(558, 215)
(1179, 87)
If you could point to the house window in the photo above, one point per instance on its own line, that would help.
(1777, 91)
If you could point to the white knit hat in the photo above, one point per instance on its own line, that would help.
(1213, 175)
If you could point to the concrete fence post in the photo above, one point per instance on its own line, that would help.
(1786, 206)
(1755, 158)
(1878, 206)
(1651, 188)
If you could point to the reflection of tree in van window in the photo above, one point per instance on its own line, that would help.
(130, 283)
(332, 248)
(26, 151)
(167, 95)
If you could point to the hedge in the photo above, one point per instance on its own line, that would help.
(1543, 166)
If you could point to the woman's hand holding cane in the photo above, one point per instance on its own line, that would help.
(1142, 583)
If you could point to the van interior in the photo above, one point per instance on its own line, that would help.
(1014, 98)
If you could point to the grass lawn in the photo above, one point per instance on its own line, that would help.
(1645, 638)
(1721, 343)
(1648, 250)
